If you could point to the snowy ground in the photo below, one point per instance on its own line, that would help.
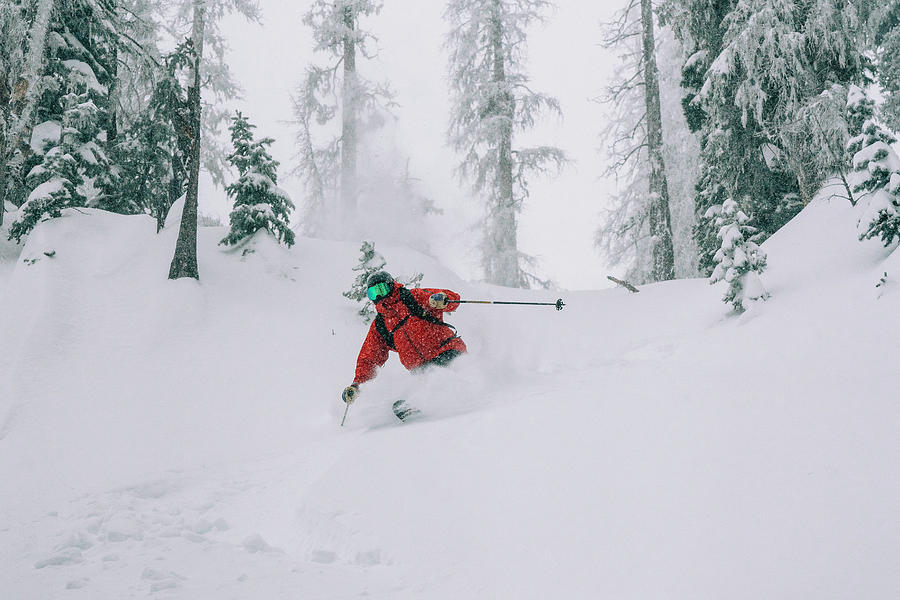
(180, 440)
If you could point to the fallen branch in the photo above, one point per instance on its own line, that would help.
(624, 284)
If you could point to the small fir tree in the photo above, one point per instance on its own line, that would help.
(139, 181)
(739, 260)
(58, 182)
(876, 169)
(258, 202)
(370, 261)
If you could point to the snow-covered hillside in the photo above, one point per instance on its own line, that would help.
(181, 439)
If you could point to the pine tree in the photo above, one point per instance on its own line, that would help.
(754, 65)
(739, 260)
(491, 102)
(149, 156)
(624, 236)
(258, 202)
(56, 182)
(13, 86)
(330, 169)
(23, 45)
(370, 261)
(885, 24)
(204, 18)
(876, 169)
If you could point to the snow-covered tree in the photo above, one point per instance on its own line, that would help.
(752, 66)
(258, 201)
(204, 18)
(15, 82)
(624, 236)
(885, 47)
(60, 100)
(739, 260)
(57, 183)
(491, 103)
(335, 90)
(149, 157)
(876, 170)
(370, 261)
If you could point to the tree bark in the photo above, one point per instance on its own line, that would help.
(660, 217)
(4, 170)
(349, 129)
(184, 263)
(502, 263)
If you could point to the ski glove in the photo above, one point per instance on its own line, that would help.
(438, 300)
(350, 393)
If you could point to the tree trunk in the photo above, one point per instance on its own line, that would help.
(25, 93)
(184, 263)
(349, 133)
(502, 262)
(660, 217)
(112, 130)
(4, 161)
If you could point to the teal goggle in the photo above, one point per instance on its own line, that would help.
(379, 290)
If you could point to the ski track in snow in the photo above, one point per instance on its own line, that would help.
(177, 440)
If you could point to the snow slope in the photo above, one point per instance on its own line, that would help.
(181, 439)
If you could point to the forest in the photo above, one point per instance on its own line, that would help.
(722, 121)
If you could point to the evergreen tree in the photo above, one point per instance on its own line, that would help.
(876, 169)
(370, 261)
(329, 170)
(754, 65)
(885, 43)
(624, 237)
(56, 182)
(150, 171)
(491, 102)
(14, 86)
(204, 17)
(258, 202)
(739, 260)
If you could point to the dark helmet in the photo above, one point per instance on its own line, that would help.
(379, 285)
(379, 277)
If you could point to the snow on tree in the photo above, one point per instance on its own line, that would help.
(64, 101)
(149, 157)
(59, 181)
(752, 66)
(884, 22)
(204, 18)
(876, 171)
(258, 202)
(370, 261)
(739, 260)
(329, 170)
(491, 103)
(218, 85)
(22, 49)
(624, 236)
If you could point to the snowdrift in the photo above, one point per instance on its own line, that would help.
(180, 439)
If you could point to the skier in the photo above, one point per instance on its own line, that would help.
(404, 325)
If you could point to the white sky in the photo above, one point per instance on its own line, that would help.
(558, 222)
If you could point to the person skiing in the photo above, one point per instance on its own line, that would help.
(411, 323)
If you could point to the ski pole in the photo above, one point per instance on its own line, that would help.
(345, 414)
(558, 304)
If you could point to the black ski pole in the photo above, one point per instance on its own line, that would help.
(558, 304)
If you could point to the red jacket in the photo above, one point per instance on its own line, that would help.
(417, 341)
